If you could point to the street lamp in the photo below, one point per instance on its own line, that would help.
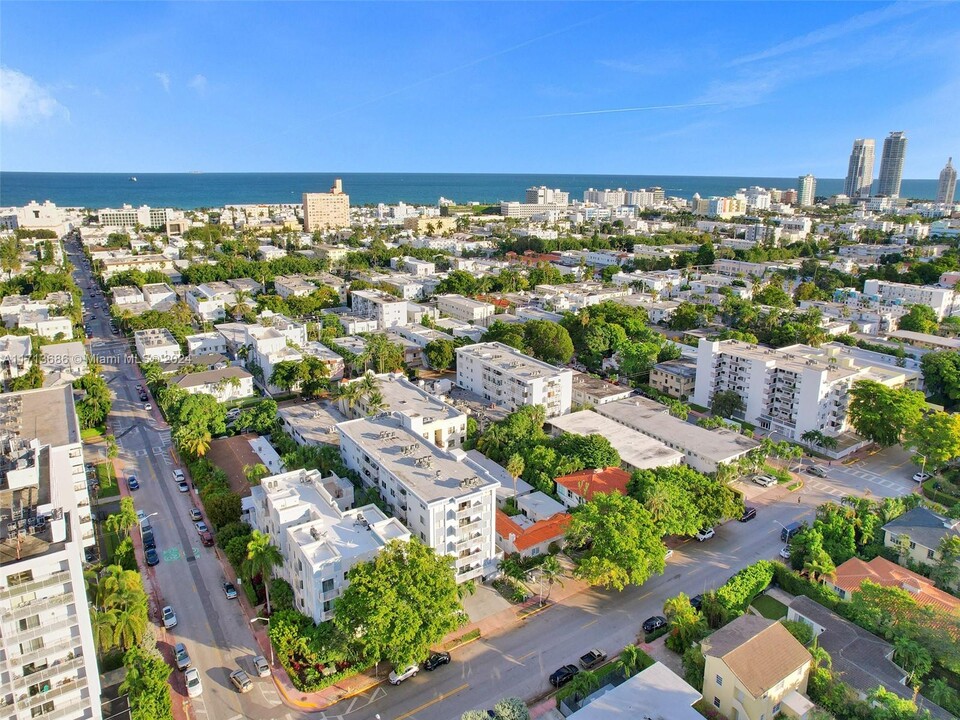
(267, 621)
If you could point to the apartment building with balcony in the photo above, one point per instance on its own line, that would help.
(506, 376)
(424, 413)
(465, 309)
(943, 301)
(441, 496)
(309, 518)
(48, 663)
(157, 344)
(387, 310)
(790, 390)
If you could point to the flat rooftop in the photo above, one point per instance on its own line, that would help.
(401, 395)
(597, 387)
(510, 360)
(652, 418)
(432, 474)
(636, 449)
(46, 414)
(316, 422)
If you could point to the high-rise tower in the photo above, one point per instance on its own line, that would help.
(891, 164)
(807, 190)
(948, 183)
(860, 169)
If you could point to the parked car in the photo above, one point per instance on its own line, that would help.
(241, 681)
(132, 483)
(921, 477)
(194, 686)
(201, 527)
(561, 676)
(141, 516)
(230, 591)
(169, 617)
(408, 672)
(149, 542)
(147, 407)
(764, 481)
(749, 513)
(592, 658)
(261, 666)
(196, 515)
(668, 554)
(785, 552)
(436, 660)
(653, 623)
(788, 531)
(182, 658)
(183, 487)
(206, 539)
(817, 470)
(179, 476)
(696, 602)
(705, 534)
(151, 557)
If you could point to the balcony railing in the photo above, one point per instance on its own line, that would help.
(47, 627)
(470, 539)
(52, 671)
(56, 578)
(34, 606)
(46, 651)
(71, 686)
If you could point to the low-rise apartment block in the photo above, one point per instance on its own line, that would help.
(226, 384)
(441, 496)
(321, 538)
(386, 309)
(46, 637)
(206, 343)
(590, 390)
(676, 378)
(465, 309)
(943, 301)
(156, 344)
(505, 376)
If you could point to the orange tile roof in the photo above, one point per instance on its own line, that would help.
(881, 571)
(542, 531)
(587, 483)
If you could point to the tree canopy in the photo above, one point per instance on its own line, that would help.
(882, 414)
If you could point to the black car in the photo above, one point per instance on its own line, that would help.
(652, 623)
(749, 513)
(132, 483)
(436, 660)
(148, 542)
(696, 601)
(152, 557)
(562, 676)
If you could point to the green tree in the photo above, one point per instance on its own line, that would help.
(946, 572)
(632, 660)
(202, 412)
(693, 666)
(921, 319)
(548, 341)
(800, 630)
(260, 418)
(507, 333)
(255, 473)
(440, 353)
(222, 508)
(936, 437)
(262, 558)
(685, 624)
(514, 468)
(624, 546)
(685, 317)
(773, 295)
(194, 441)
(121, 522)
(94, 403)
(511, 709)
(912, 657)
(399, 604)
(385, 356)
(883, 414)
(146, 685)
(683, 500)
(941, 375)
(726, 403)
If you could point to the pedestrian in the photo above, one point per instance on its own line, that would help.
(798, 499)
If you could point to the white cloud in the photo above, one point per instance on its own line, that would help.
(199, 83)
(23, 101)
(164, 79)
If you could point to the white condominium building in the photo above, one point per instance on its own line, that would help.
(326, 211)
(441, 496)
(156, 344)
(943, 301)
(48, 667)
(425, 414)
(465, 309)
(387, 310)
(543, 194)
(129, 216)
(308, 518)
(791, 390)
(506, 376)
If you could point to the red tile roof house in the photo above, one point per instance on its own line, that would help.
(881, 571)
(579, 487)
(519, 534)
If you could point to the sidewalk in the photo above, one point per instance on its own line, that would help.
(489, 627)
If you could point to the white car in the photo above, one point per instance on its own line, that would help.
(141, 516)
(921, 477)
(409, 672)
(785, 552)
(764, 481)
(169, 617)
(705, 534)
(194, 686)
(179, 476)
(668, 555)
(147, 406)
(261, 666)
(201, 527)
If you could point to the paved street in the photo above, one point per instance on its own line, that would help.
(516, 663)
(189, 577)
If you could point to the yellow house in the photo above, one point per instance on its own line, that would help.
(755, 669)
(919, 532)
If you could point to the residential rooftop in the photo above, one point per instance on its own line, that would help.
(636, 449)
(596, 387)
(510, 360)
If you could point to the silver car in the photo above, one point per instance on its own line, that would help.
(169, 617)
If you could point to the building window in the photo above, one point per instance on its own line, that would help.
(719, 681)
(716, 701)
(929, 554)
(913, 545)
(327, 585)
(776, 708)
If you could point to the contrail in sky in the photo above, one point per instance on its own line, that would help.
(624, 110)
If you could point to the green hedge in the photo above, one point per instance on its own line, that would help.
(739, 591)
(938, 496)
(792, 583)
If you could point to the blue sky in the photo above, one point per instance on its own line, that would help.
(710, 88)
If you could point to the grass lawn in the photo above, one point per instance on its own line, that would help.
(107, 481)
(110, 542)
(770, 608)
(93, 433)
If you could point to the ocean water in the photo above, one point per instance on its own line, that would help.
(199, 190)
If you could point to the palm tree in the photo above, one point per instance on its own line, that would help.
(375, 402)
(349, 393)
(262, 557)
(103, 622)
(583, 684)
(131, 622)
(515, 468)
(114, 580)
(152, 372)
(369, 383)
(819, 565)
(255, 473)
(195, 441)
(631, 660)
(821, 658)
(551, 572)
